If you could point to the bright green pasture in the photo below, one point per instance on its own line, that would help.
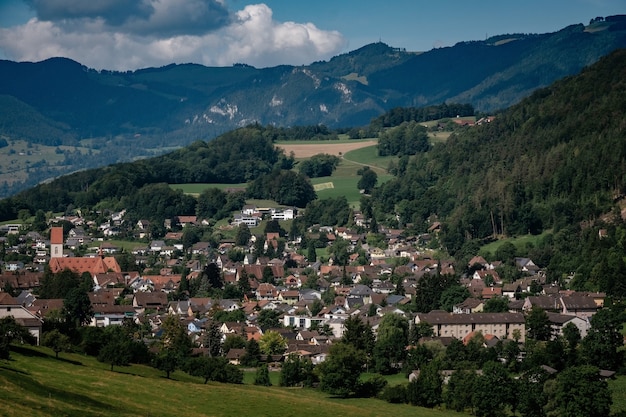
(127, 245)
(618, 390)
(344, 180)
(196, 189)
(520, 242)
(35, 384)
(369, 156)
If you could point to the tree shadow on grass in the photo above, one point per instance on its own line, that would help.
(10, 369)
(26, 351)
(73, 400)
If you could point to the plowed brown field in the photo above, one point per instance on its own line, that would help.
(307, 150)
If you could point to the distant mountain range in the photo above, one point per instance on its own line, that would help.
(118, 116)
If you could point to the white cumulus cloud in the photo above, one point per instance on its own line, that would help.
(159, 32)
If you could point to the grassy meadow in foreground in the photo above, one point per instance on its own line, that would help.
(33, 383)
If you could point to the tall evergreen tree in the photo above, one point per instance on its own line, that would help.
(262, 376)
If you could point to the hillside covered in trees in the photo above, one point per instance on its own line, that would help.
(555, 162)
(235, 157)
(555, 159)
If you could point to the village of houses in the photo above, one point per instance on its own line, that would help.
(147, 301)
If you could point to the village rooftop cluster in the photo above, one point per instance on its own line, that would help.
(278, 284)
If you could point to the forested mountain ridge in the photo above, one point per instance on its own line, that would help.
(557, 157)
(238, 156)
(113, 116)
(555, 160)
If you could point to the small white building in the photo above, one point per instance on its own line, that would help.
(283, 214)
(250, 221)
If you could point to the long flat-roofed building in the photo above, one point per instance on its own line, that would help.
(501, 325)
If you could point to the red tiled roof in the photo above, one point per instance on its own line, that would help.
(6, 299)
(94, 266)
(56, 235)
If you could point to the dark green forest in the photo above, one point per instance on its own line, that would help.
(235, 157)
(556, 159)
(553, 163)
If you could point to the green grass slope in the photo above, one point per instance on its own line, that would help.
(33, 383)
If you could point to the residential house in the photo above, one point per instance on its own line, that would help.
(559, 321)
(150, 301)
(299, 321)
(9, 306)
(234, 356)
(43, 307)
(249, 210)
(111, 314)
(477, 260)
(250, 221)
(201, 248)
(186, 220)
(491, 292)
(488, 276)
(544, 302)
(266, 291)
(511, 290)
(197, 325)
(233, 327)
(290, 297)
(526, 265)
(157, 245)
(470, 305)
(283, 214)
(579, 306)
(79, 234)
(180, 308)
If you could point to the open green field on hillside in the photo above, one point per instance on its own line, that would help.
(127, 245)
(343, 182)
(369, 156)
(196, 189)
(618, 390)
(520, 242)
(36, 384)
(438, 137)
(19, 156)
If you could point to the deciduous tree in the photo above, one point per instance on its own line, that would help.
(339, 373)
(11, 331)
(77, 307)
(391, 342)
(117, 351)
(56, 341)
(538, 326)
(272, 343)
(581, 392)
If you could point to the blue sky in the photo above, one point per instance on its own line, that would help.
(122, 35)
